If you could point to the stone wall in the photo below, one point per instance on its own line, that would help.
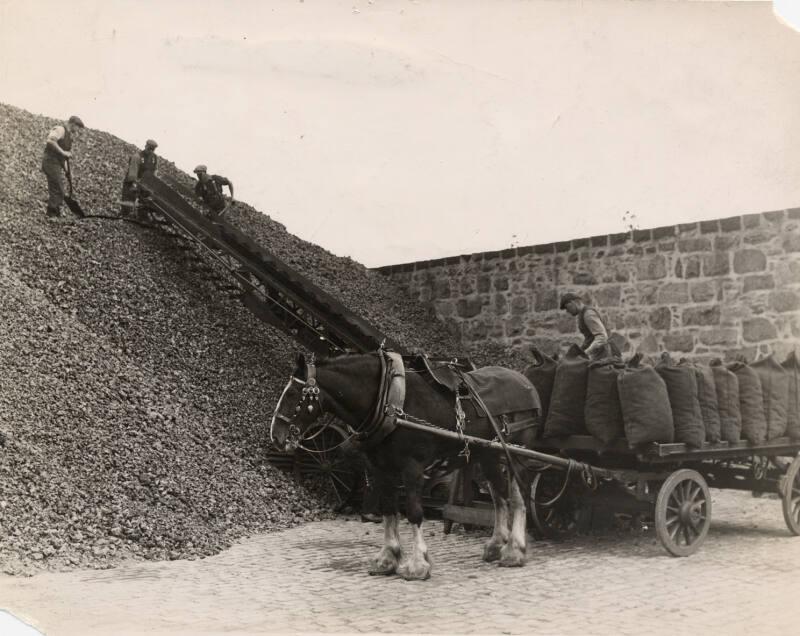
(702, 290)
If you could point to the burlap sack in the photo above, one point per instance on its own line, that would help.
(707, 396)
(603, 411)
(727, 385)
(775, 392)
(751, 403)
(646, 412)
(792, 367)
(542, 375)
(565, 414)
(682, 390)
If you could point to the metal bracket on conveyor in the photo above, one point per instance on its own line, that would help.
(268, 287)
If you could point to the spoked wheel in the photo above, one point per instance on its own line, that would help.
(561, 519)
(683, 512)
(790, 493)
(328, 463)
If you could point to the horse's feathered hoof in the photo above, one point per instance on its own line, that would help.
(385, 563)
(492, 552)
(415, 571)
(511, 557)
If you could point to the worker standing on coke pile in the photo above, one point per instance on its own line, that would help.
(141, 163)
(57, 152)
(209, 189)
(595, 335)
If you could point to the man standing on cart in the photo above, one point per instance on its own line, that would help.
(595, 335)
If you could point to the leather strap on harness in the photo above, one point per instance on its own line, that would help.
(391, 398)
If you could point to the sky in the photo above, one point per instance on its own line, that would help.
(401, 130)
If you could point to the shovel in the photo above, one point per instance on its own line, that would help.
(71, 202)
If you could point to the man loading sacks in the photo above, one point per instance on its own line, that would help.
(595, 335)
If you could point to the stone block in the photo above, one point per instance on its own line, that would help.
(500, 304)
(583, 278)
(749, 260)
(651, 268)
(702, 316)
(716, 264)
(757, 237)
(749, 221)
(610, 296)
(566, 324)
(663, 232)
(776, 216)
(720, 336)
(520, 305)
(649, 344)
(444, 308)
(673, 294)
(757, 281)
(784, 300)
(666, 246)
(709, 227)
(546, 300)
(694, 245)
(683, 342)
(702, 291)
(661, 318)
(731, 224)
(467, 286)
(725, 242)
(514, 326)
(691, 266)
(788, 273)
(640, 236)
(633, 320)
(793, 213)
(647, 293)
(547, 248)
(579, 243)
(599, 241)
(686, 228)
(563, 246)
(619, 238)
(469, 307)
(501, 283)
(484, 283)
(791, 242)
(758, 330)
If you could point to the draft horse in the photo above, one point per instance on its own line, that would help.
(369, 391)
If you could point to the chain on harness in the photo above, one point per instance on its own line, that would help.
(461, 418)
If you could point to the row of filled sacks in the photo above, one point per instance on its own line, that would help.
(667, 402)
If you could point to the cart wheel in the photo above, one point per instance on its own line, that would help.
(328, 465)
(563, 519)
(683, 512)
(790, 493)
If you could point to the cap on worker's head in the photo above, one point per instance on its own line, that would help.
(568, 297)
(77, 121)
(200, 168)
(150, 144)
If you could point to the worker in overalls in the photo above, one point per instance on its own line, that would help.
(141, 163)
(209, 189)
(57, 152)
(595, 335)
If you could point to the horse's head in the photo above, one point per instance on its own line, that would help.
(298, 408)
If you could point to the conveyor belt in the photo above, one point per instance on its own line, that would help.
(273, 291)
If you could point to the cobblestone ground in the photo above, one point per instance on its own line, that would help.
(744, 580)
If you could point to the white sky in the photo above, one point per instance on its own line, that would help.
(393, 131)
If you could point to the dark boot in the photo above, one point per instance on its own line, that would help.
(53, 212)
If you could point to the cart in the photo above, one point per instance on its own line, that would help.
(668, 483)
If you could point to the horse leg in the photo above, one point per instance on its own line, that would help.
(385, 562)
(497, 487)
(417, 567)
(513, 553)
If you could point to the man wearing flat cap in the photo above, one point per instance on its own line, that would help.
(595, 336)
(141, 163)
(55, 162)
(209, 189)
